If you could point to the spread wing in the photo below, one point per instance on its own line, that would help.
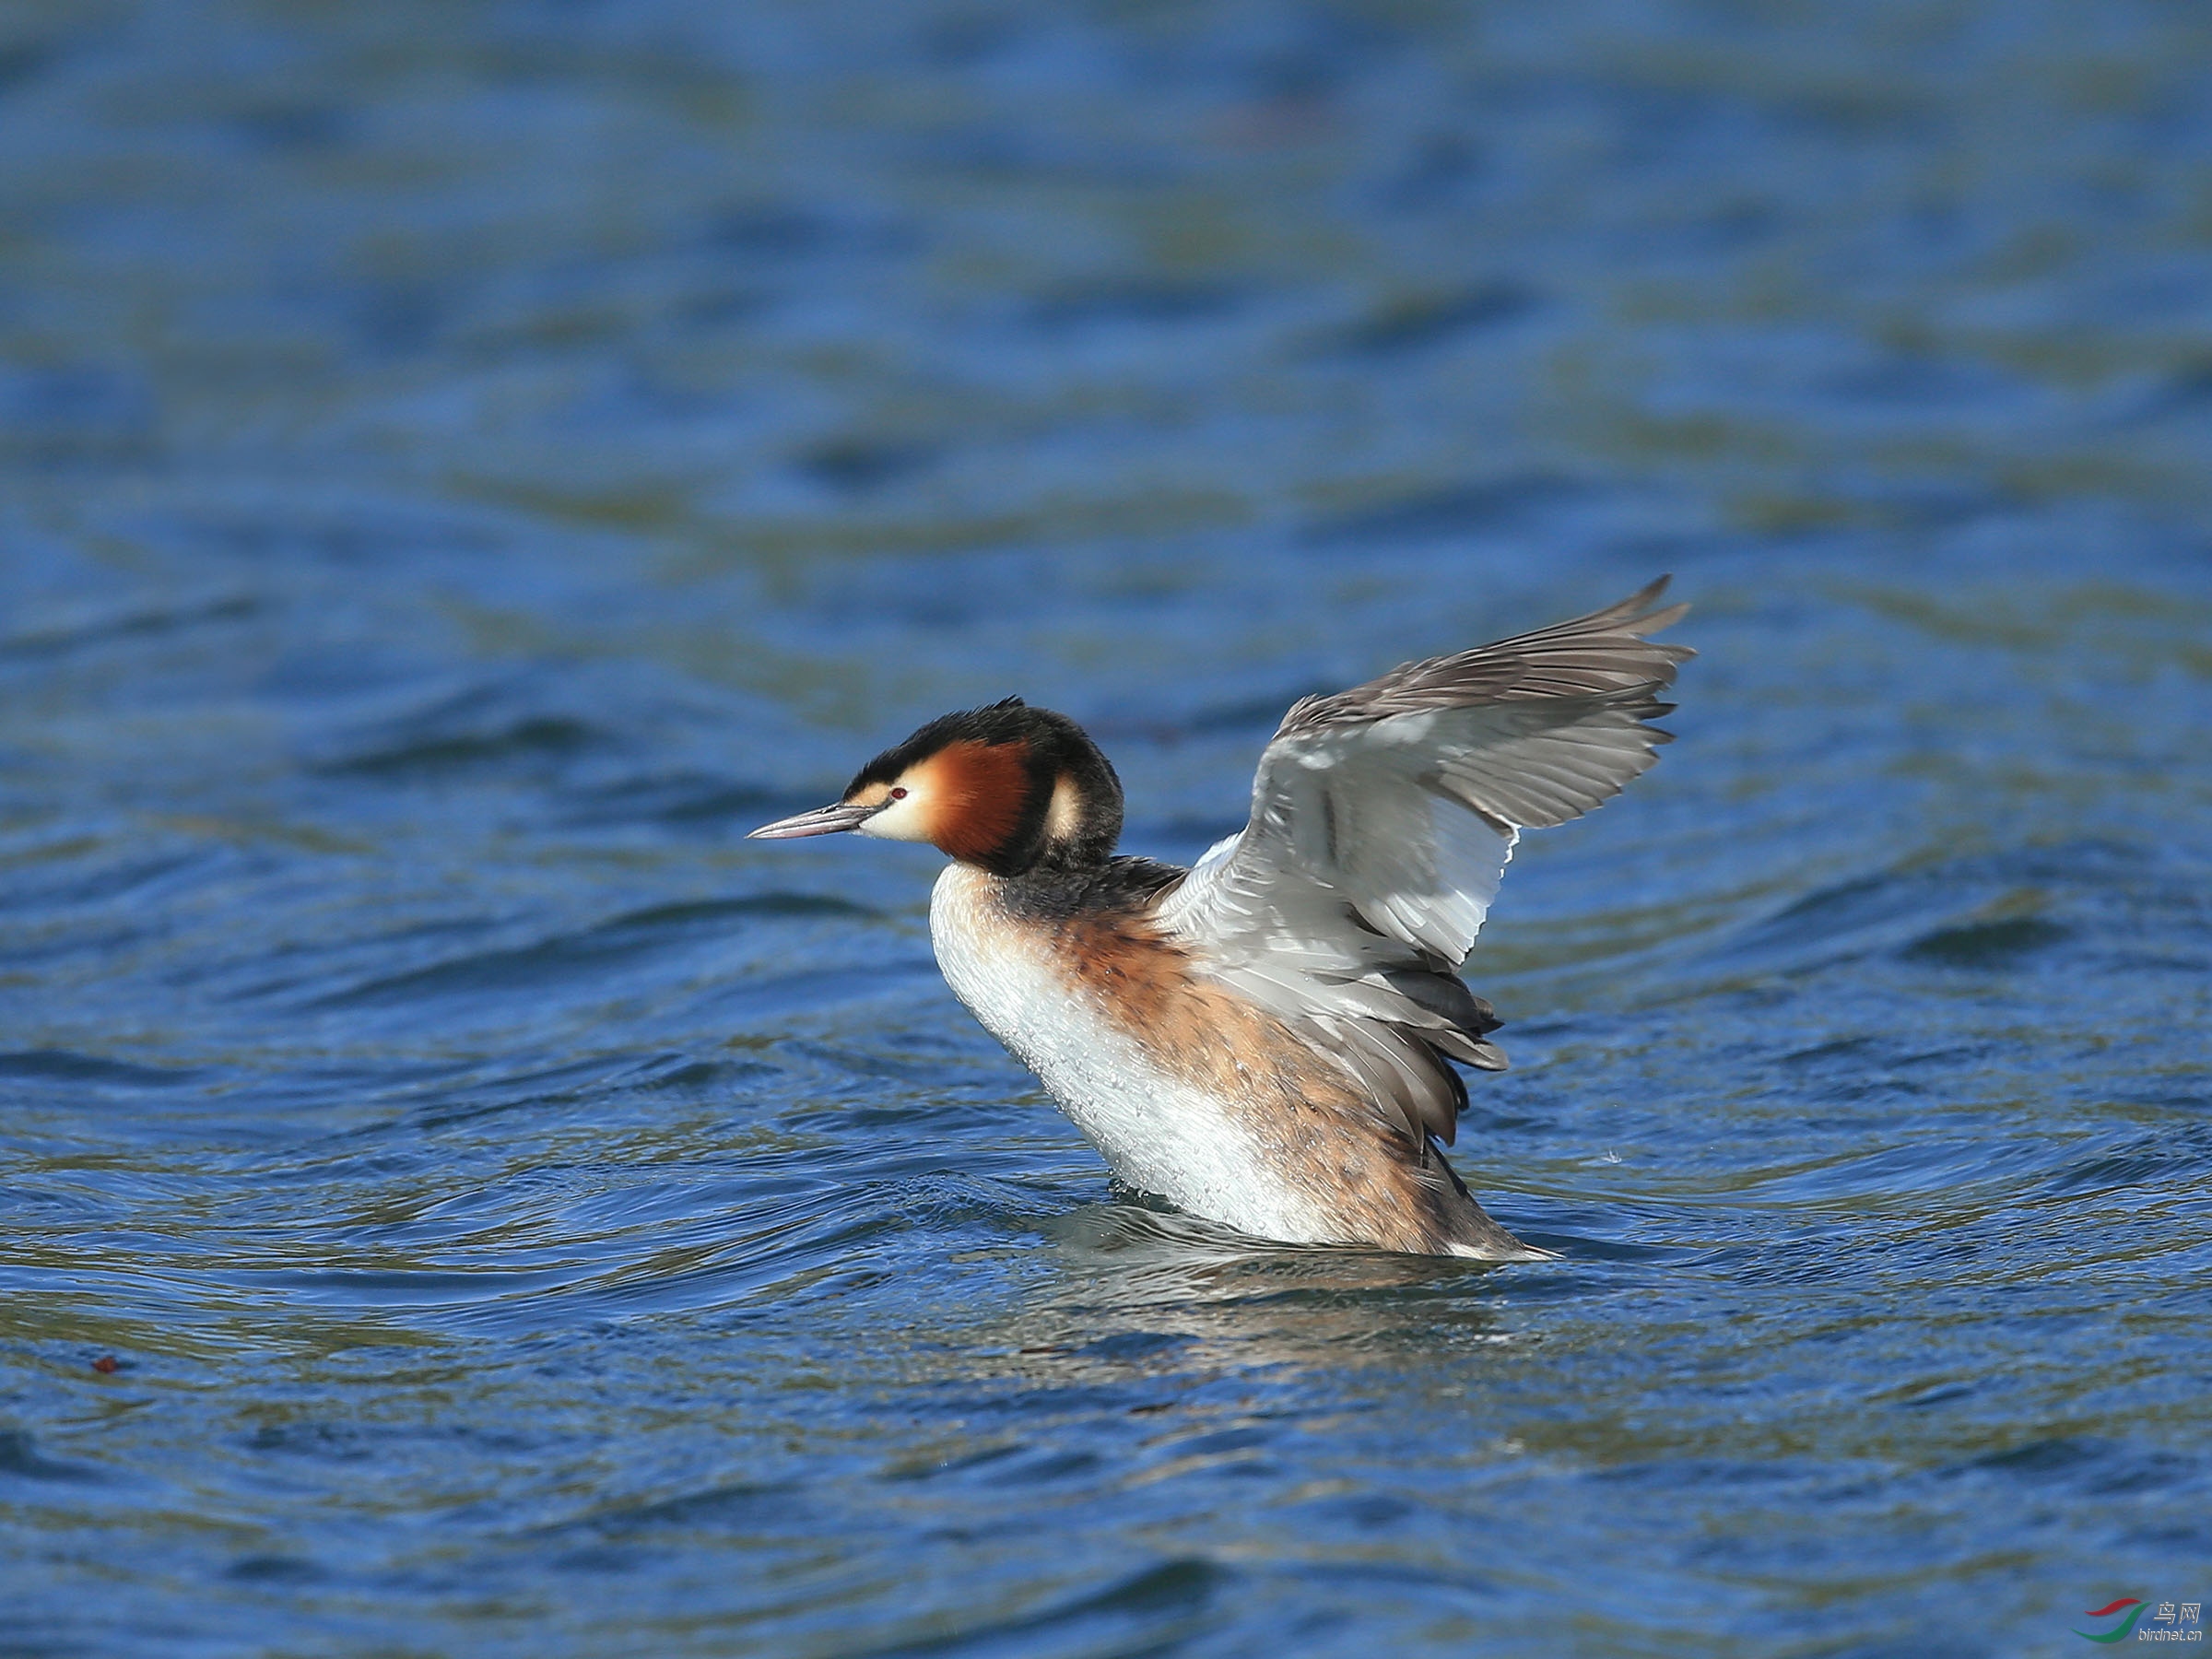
(1382, 820)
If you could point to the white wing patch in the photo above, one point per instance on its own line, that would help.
(1352, 860)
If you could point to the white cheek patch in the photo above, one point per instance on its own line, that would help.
(902, 821)
(1064, 816)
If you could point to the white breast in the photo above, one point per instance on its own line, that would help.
(1157, 1132)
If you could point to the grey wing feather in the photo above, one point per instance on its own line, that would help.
(1382, 818)
(1563, 710)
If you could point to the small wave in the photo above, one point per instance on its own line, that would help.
(1439, 515)
(2087, 1463)
(589, 952)
(60, 637)
(20, 1460)
(1428, 322)
(1157, 1609)
(684, 800)
(64, 1067)
(1987, 944)
(1984, 912)
(741, 1504)
(532, 736)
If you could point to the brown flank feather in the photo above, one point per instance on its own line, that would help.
(1308, 1114)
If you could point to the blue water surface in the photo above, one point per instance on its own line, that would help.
(464, 462)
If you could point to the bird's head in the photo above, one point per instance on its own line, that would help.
(1008, 788)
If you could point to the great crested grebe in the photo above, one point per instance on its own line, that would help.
(1264, 1038)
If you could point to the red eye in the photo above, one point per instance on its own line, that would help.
(898, 794)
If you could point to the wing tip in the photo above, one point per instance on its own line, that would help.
(1490, 1058)
(1641, 614)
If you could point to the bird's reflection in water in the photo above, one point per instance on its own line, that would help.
(1149, 1290)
